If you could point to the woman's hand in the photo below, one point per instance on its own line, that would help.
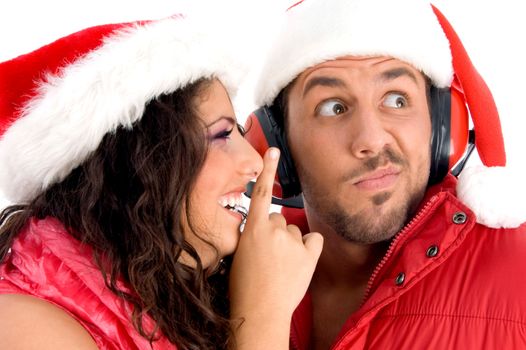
(271, 271)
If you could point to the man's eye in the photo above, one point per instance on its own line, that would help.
(330, 108)
(395, 100)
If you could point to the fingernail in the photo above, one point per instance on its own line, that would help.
(274, 153)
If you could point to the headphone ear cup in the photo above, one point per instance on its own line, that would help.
(460, 140)
(264, 131)
(450, 131)
(440, 108)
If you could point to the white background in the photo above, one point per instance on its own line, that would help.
(493, 32)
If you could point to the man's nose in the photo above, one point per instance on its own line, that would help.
(368, 135)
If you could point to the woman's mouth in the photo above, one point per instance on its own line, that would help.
(233, 203)
(239, 209)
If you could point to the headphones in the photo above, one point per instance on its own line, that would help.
(452, 142)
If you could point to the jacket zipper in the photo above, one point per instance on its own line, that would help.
(422, 212)
(393, 244)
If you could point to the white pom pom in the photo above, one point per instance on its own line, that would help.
(495, 194)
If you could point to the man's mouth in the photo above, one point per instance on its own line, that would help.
(378, 179)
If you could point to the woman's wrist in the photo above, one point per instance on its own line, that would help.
(261, 330)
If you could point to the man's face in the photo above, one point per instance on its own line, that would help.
(359, 131)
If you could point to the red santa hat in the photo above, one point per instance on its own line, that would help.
(414, 31)
(58, 102)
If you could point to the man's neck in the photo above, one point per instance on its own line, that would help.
(339, 283)
(347, 263)
(342, 262)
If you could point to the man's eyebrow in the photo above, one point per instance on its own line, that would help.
(394, 73)
(323, 81)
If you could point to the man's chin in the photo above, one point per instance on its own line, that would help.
(369, 226)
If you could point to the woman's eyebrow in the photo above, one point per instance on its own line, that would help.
(229, 119)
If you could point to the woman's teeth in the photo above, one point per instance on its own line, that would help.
(230, 200)
(234, 202)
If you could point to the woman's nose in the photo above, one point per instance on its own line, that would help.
(251, 163)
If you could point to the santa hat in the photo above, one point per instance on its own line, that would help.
(414, 31)
(58, 102)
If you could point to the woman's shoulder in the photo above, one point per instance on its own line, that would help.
(27, 322)
(44, 252)
(59, 272)
(47, 282)
(53, 274)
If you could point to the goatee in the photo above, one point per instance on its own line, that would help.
(366, 226)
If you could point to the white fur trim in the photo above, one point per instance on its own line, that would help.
(320, 30)
(495, 194)
(104, 90)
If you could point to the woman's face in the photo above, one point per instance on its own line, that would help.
(230, 164)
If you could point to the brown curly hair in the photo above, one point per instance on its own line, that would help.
(126, 201)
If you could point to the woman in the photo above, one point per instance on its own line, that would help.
(121, 147)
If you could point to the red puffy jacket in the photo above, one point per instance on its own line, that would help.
(48, 263)
(446, 282)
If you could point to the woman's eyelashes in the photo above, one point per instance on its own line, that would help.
(241, 129)
(223, 134)
(226, 132)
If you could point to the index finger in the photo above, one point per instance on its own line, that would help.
(261, 197)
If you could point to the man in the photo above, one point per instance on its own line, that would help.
(412, 259)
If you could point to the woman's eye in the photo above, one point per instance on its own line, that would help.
(241, 129)
(224, 134)
(331, 108)
(395, 100)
